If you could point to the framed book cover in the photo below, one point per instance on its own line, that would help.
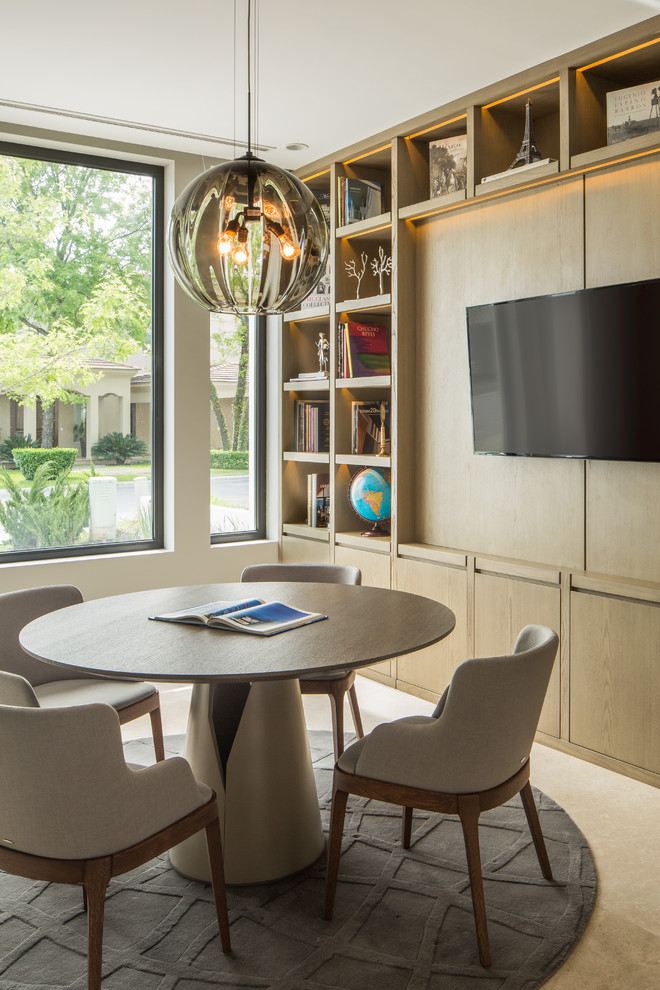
(368, 420)
(367, 349)
(632, 112)
(448, 165)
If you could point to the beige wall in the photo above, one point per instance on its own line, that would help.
(188, 557)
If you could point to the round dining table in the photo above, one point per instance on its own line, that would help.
(246, 736)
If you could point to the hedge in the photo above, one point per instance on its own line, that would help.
(230, 460)
(28, 459)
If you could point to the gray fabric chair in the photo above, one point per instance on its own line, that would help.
(337, 683)
(72, 811)
(470, 756)
(57, 687)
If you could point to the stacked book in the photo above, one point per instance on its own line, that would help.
(318, 500)
(312, 427)
(362, 350)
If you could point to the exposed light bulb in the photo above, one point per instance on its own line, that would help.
(225, 243)
(288, 248)
(240, 255)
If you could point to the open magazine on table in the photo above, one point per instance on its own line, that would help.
(250, 615)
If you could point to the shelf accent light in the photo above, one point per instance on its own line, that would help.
(246, 236)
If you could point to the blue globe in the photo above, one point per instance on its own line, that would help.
(370, 495)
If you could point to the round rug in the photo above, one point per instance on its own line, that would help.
(403, 919)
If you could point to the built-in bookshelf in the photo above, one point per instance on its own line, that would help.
(491, 590)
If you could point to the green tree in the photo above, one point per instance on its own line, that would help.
(75, 277)
(231, 345)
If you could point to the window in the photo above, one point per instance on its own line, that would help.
(80, 354)
(238, 446)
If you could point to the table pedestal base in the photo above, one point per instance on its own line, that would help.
(251, 747)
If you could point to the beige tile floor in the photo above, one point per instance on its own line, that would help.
(620, 949)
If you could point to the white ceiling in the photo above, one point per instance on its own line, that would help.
(330, 73)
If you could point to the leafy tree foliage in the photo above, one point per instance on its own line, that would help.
(231, 344)
(48, 514)
(75, 276)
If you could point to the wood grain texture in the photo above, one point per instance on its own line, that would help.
(295, 551)
(115, 635)
(503, 606)
(375, 569)
(615, 679)
(525, 508)
(623, 523)
(431, 669)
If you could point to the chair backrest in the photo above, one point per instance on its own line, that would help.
(487, 724)
(15, 691)
(319, 573)
(17, 608)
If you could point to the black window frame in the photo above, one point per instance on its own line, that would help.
(259, 440)
(157, 175)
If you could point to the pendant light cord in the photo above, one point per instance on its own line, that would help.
(249, 85)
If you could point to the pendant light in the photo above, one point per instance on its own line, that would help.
(247, 236)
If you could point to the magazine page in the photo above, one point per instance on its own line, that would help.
(266, 619)
(203, 613)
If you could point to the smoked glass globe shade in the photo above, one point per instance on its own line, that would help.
(247, 206)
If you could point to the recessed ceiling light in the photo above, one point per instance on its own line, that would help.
(298, 146)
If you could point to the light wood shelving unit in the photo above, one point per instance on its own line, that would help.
(555, 564)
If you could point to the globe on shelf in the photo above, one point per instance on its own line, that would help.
(370, 495)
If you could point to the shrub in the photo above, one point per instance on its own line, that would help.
(14, 442)
(230, 460)
(48, 514)
(28, 459)
(118, 447)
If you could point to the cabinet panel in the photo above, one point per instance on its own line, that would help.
(431, 669)
(375, 568)
(296, 551)
(615, 678)
(623, 524)
(530, 508)
(503, 606)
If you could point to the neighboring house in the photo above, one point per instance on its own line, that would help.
(120, 401)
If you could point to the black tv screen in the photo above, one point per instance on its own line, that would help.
(575, 374)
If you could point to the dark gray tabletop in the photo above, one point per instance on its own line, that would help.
(115, 635)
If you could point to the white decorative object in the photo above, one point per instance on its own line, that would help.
(382, 265)
(351, 268)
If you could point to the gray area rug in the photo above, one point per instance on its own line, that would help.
(403, 920)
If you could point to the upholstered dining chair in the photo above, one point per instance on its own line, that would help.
(56, 687)
(72, 811)
(470, 756)
(336, 684)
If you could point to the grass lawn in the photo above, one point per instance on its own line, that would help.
(122, 472)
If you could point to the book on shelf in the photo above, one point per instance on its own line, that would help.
(250, 615)
(318, 500)
(633, 111)
(358, 199)
(311, 426)
(363, 350)
(448, 165)
(517, 169)
(367, 421)
(310, 376)
(320, 294)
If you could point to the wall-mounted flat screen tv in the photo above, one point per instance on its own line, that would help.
(575, 374)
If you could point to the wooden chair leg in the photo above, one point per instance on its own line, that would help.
(535, 828)
(406, 827)
(97, 877)
(336, 695)
(468, 810)
(355, 712)
(339, 799)
(214, 846)
(157, 733)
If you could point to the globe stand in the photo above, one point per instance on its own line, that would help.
(376, 531)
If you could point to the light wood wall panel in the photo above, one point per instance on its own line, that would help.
(528, 508)
(622, 208)
(503, 606)
(295, 551)
(375, 568)
(431, 669)
(615, 678)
